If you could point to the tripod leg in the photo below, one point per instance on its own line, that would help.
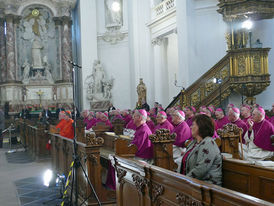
(72, 183)
(90, 185)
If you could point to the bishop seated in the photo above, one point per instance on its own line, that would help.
(258, 138)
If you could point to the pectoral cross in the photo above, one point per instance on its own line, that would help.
(40, 93)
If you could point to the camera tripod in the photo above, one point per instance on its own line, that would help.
(76, 163)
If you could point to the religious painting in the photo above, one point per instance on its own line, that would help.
(113, 13)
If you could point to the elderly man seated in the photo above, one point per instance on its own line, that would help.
(163, 123)
(183, 133)
(141, 137)
(234, 118)
(258, 138)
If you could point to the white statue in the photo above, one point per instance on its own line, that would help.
(36, 53)
(98, 77)
(47, 70)
(26, 71)
(98, 87)
(107, 89)
(113, 18)
(28, 34)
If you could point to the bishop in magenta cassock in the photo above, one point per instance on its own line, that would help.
(234, 118)
(163, 123)
(258, 140)
(221, 118)
(183, 133)
(141, 139)
(190, 113)
(245, 113)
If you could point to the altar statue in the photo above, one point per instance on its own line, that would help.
(36, 53)
(26, 71)
(47, 70)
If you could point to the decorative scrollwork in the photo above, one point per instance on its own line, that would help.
(120, 174)
(184, 199)
(162, 135)
(229, 130)
(156, 191)
(241, 65)
(140, 183)
(94, 141)
(92, 158)
(195, 97)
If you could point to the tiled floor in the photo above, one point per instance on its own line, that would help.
(32, 192)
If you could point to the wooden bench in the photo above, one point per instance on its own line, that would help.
(34, 138)
(138, 183)
(89, 155)
(241, 176)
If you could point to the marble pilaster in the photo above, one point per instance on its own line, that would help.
(10, 49)
(3, 70)
(16, 21)
(66, 49)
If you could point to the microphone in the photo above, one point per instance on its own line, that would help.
(74, 64)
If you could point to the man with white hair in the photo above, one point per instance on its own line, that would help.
(234, 118)
(221, 118)
(190, 113)
(126, 116)
(181, 128)
(258, 142)
(246, 113)
(163, 123)
(183, 133)
(141, 139)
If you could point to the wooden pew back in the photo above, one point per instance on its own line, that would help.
(162, 142)
(89, 155)
(138, 183)
(250, 179)
(230, 136)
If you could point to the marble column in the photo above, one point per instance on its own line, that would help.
(58, 22)
(3, 70)
(16, 22)
(66, 49)
(10, 49)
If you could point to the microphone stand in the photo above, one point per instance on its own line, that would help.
(76, 159)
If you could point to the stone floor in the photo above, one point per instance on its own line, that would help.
(21, 179)
(18, 175)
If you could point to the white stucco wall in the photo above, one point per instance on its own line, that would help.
(264, 30)
(190, 51)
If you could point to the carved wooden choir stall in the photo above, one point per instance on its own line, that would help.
(139, 183)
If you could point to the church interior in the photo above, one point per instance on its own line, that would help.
(136, 102)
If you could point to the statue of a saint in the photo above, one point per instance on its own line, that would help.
(142, 92)
(26, 71)
(98, 77)
(47, 70)
(36, 53)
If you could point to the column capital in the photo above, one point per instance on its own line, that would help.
(157, 41)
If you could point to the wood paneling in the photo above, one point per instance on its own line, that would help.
(249, 179)
(158, 186)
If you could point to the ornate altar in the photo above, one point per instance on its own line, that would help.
(35, 52)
